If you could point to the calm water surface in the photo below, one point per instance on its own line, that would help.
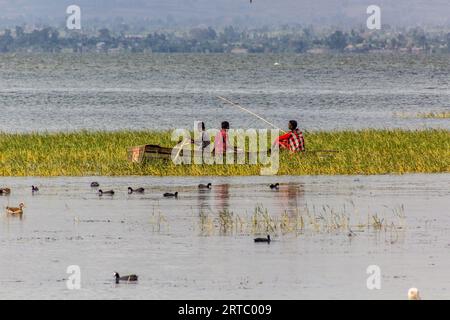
(112, 92)
(176, 246)
(68, 224)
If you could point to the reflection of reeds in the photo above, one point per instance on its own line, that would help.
(158, 220)
(306, 220)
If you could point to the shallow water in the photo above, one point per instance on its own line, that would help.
(112, 92)
(67, 223)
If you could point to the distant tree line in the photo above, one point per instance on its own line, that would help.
(208, 40)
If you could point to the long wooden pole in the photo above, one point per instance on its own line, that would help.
(269, 123)
(248, 111)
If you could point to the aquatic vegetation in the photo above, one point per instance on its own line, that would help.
(158, 221)
(307, 220)
(435, 115)
(87, 153)
(424, 115)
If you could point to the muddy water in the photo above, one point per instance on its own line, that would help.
(165, 243)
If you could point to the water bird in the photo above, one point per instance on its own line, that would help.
(34, 189)
(12, 210)
(129, 278)
(351, 233)
(138, 190)
(276, 64)
(5, 191)
(263, 240)
(95, 184)
(170, 195)
(101, 192)
(413, 294)
(205, 186)
(275, 186)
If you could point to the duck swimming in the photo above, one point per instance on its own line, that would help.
(171, 195)
(263, 240)
(34, 189)
(275, 186)
(14, 211)
(138, 190)
(109, 193)
(5, 191)
(205, 186)
(95, 185)
(130, 278)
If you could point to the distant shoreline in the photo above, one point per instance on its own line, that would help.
(229, 39)
(84, 153)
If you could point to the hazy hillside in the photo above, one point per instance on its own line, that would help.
(220, 12)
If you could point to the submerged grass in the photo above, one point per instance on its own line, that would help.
(105, 153)
(306, 220)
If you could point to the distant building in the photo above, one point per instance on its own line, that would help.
(318, 50)
(100, 47)
(239, 51)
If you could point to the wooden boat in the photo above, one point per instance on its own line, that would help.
(141, 154)
(151, 152)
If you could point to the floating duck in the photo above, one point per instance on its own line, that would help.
(275, 186)
(351, 234)
(109, 193)
(15, 211)
(205, 186)
(413, 294)
(263, 240)
(5, 191)
(95, 185)
(130, 278)
(138, 190)
(34, 189)
(170, 195)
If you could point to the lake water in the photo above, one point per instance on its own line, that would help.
(201, 244)
(112, 92)
(180, 256)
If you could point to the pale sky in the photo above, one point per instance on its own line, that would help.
(317, 12)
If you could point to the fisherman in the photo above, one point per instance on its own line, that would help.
(201, 142)
(293, 140)
(222, 142)
(201, 137)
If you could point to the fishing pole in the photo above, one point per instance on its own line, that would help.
(269, 123)
(250, 112)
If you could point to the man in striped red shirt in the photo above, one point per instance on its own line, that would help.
(293, 140)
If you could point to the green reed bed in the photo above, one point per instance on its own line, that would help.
(435, 115)
(105, 153)
(424, 115)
